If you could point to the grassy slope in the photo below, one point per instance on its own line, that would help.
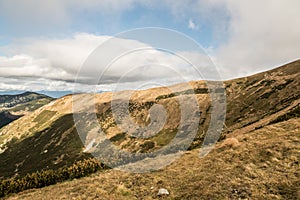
(263, 164)
(254, 98)
(51, 148)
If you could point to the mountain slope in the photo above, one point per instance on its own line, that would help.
(263, 164)
(255, 101)
(252, 103)
(52, 148)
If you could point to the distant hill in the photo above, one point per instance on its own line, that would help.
(48, 137)
(13, 107)
(10, 101)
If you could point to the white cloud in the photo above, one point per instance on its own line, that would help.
(44, 84)
(192, 25)
(65, 54)
(27, 66)
(263, 34)
(60, 60)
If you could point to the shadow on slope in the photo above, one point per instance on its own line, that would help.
(55, 147)
(6, 118)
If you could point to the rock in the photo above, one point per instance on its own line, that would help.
(163, 191)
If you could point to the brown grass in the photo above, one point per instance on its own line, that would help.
(264, 165)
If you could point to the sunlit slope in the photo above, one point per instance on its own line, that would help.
(263, 164)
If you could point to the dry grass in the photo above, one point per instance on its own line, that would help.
(263, 164)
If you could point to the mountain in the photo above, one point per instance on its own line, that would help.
(13, 107)
(10, 101)
(262, 121)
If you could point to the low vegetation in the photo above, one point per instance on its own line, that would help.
(49, 177)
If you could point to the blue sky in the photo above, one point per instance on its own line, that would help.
(50, 40)
(110, 24)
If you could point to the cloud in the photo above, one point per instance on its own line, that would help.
(33, 15)
(27, 66)
(44, 84)
(59, 16)
(262, 34)
(252, 36)
(192, 25)
(56, 10)
(88, 59)
(67, 54)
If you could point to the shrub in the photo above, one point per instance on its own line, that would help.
(44, 178)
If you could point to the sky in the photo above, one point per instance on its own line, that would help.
(58, 46)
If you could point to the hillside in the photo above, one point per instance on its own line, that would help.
(266, 106)
(263, 164)
(255, 101)
(13, 107)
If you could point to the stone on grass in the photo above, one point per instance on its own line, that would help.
(163, 191)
